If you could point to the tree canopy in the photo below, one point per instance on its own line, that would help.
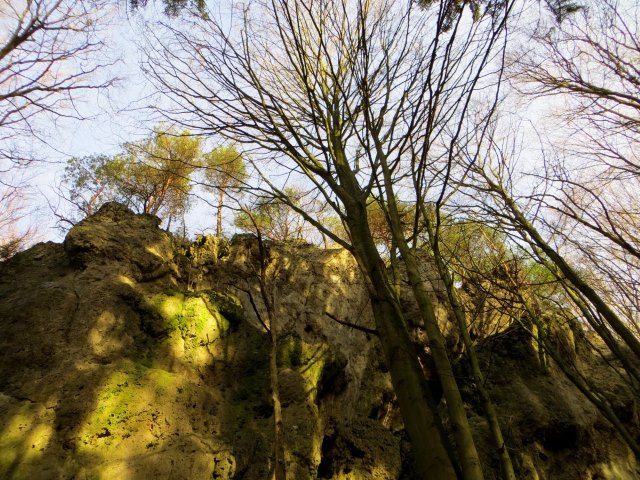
(151, 176)
(224, 170)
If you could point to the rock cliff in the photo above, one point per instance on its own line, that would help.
(126, 355)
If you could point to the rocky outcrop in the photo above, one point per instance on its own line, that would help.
(119, 360)
(124, 354)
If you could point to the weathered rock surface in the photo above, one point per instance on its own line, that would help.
(124, 355)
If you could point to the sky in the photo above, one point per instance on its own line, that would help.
(118, 115)
(110, 117)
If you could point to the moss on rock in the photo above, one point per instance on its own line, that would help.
(196, 318)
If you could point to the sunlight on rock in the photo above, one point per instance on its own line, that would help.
(126, 280)
(25, 436)
(152, 249)
(101, 336)
(193, 323)
(122, 368)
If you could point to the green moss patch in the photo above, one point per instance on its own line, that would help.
(126, 402)
(207, 248)
(197, 316)
(24, 436)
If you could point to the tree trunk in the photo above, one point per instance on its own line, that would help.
(570, 274)
(278, 446)
(487, 404)
(268, 298)
(219, 215)
(583, 384)
(431, 457)
(469, 458)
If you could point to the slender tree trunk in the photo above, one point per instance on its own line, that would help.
(431, 457)
(278, 446)
(582, 383)
(91, 203)
(469, 458)
(487, 404)
(219, 214)
(279, 465)
(570, 274)
(394, 262)
(279, 470)
(467, 452)
(421, 421)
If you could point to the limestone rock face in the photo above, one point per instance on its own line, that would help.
(115, 234)
(118, 360)
(126, 355)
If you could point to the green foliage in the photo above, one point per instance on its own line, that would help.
(562, 9)
(379, 224)
(152, 176)
(173, 8)
(9, 247)
(224, 171)
(90, 182)
(224, 167)
(453, 9)
(156, 173)
(490, 265)
(275, 219)
(472, 245)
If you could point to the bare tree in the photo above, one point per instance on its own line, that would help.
(590, 185)
(532, 297)
(581, 220)
(266, 285)
(525, 218)
(361, 99)
(337, 92)
(15, 233)
(47, 58)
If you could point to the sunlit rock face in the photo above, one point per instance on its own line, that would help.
(126, 355)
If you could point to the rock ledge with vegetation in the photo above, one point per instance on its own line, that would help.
(125, 354)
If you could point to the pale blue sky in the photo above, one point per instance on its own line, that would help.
(119, 115)
(112, 117)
